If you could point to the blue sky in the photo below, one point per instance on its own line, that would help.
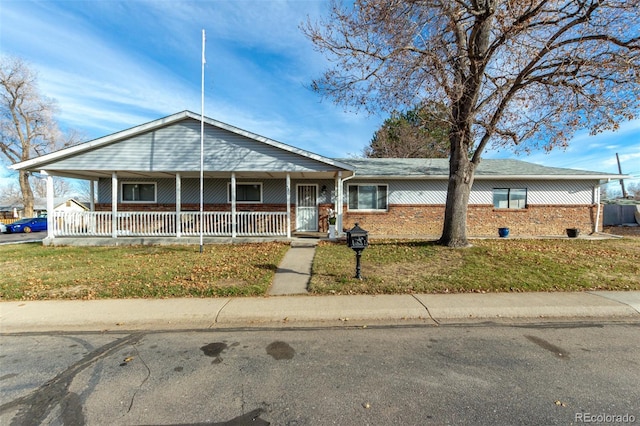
(114, 64)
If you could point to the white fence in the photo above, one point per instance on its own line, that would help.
(163, 224)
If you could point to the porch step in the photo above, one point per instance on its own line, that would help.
(304, 242)
(293, 273)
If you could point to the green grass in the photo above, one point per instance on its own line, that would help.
(32, 271)
(395, 267)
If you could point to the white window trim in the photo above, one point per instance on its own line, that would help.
(509, 189)
(155, 192)
(368, 210)
(242, 184)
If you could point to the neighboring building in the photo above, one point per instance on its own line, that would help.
(16, 210)
(255, 186)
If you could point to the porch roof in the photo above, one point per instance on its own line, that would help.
(171, 145)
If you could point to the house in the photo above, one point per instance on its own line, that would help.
(16, 210)
(148, 185)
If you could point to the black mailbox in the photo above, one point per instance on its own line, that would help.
(357, 240)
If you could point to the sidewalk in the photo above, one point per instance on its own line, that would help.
(146, 314)
(294, 272)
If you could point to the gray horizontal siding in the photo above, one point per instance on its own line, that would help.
(177, 148)
(411, 192)
(215, 190)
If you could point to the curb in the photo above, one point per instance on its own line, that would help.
(152, 314)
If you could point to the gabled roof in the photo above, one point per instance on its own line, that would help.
(60, 201)
(161, 149)
(494, 169)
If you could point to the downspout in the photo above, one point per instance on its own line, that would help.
(596, 197)
(340, 199)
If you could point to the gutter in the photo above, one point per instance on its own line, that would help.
(498, 177)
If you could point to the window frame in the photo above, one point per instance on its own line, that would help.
(155, 192)
(377, 197)
(510, 200)
(260, 185)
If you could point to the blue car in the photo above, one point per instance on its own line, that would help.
(33, 224)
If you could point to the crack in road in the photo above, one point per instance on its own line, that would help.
(37, 405)
(143, 382)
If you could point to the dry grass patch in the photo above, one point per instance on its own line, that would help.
(31, 271)
(489, 266)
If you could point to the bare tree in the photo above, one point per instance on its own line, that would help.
(520, 73)
(61, 188)
(27, 126)
(420, 132)
(10, 194)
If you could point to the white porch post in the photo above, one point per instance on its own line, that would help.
(92, 205)
(233, 205)
(50, 206)
(178, 205)
(338, 204)
(114, 205)
(92, 196)
(288, 205)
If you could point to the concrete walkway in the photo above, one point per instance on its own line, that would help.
(294, 272)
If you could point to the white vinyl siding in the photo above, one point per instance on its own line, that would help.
(542, 192)
(368, 197)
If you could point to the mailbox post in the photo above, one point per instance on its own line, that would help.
(357, 240)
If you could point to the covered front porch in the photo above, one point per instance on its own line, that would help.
(283, 205)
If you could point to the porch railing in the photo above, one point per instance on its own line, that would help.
(162, 224)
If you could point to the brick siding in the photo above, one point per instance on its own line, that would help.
(482, 220)
(410, 220)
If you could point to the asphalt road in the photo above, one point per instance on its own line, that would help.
(537, 374)
(22, 237)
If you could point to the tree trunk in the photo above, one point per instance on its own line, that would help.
(461, 172)
(27, 194)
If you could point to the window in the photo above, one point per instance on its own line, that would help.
(509, 198)
(246, 193)
(367, 197)
(138, 192)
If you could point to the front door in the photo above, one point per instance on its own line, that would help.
(307, 208)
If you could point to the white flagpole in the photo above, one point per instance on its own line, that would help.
(202, 149)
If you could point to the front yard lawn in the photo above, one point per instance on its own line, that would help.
(32, 271)
(505, 265)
